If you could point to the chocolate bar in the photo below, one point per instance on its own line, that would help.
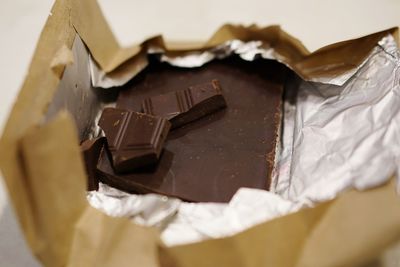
(181, 107)
(209, 159)
(135, 140)
(91, 150)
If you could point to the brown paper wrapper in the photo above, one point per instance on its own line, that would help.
(46, 180)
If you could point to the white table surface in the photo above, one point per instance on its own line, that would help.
(315, 22)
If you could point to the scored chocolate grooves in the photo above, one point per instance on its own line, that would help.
(184, 100)
(126, 117)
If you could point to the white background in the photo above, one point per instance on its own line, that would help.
(315, 22)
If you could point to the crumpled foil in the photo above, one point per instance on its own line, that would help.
(246, 50)
(149, 210)
(343, 136)
(339, 133)
(99, 78)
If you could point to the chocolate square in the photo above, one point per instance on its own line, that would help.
(135, 140)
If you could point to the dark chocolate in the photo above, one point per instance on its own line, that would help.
(134, 139)
(91, 150)
(211, 158)
(181, 107)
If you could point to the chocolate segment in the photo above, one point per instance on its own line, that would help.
(211, 158)
(181, 107)
(135, 140)
(91, 151)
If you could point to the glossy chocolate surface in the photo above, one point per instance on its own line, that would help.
(184, 106)
(134, 139)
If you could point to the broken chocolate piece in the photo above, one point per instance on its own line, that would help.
(91, 150)
(211, 158)
(134, 139)
(181, 107)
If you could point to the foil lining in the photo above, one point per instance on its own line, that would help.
(246, 50)
(148, 210)
(100, 79)
(338, 133)
(343, 136)
(76, 94)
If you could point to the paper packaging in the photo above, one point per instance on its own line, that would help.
(47, 188)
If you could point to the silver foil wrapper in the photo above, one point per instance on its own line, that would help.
(345, 136)
(76, 94)
(338, 133)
